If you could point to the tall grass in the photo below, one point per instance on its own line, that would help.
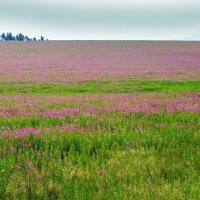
(99, 152)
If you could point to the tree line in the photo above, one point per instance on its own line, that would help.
(18, 37)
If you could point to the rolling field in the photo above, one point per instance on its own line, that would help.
(99, 120)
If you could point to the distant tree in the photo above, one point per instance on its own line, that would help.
(9, 37)
(26, 38)
(42, 38)
(20, 37)
(3, 36)
(17, 37)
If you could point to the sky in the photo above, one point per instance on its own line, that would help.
(102, 19)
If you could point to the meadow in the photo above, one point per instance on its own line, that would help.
(99, 120)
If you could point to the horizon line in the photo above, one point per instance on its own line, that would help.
(142, 40)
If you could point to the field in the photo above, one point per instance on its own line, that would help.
(99, 120)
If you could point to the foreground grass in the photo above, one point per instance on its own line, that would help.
(105, 155)
(139, 157)
(124, 86)
(113, 156)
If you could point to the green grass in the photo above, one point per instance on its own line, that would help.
(130, 159)
(124, 86)
(115, 155)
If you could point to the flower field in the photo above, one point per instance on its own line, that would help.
(100, 120)
(73, 61)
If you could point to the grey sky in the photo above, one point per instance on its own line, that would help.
(103, 19)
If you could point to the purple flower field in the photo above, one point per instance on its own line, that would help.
(99, 120)
(73, 61)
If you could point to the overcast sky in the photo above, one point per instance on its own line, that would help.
(102, 19)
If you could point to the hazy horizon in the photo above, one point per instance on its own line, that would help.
(151, 20)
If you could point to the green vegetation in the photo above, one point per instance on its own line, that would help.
(124, 86)
(49, 150)
(18, 37)
(139, 157)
